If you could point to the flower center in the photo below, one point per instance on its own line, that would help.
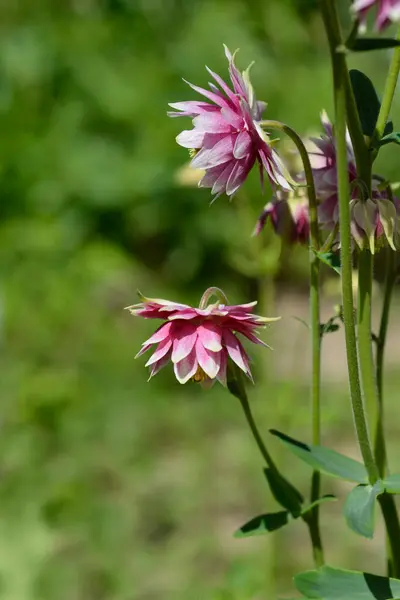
(199, 376)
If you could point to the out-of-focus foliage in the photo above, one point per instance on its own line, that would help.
(99, 471)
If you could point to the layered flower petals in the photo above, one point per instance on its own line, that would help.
(200, 341)
(387, 11)
(227, 134)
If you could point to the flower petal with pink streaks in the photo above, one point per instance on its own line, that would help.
(222, 367)
(184, 339)
(243, 145)
(159, 365)
(219, 154)
(210, 95)
(210, 336)
(236, 351)
(208, 361)
(186, 368)
(159, 335)
(162, 349)
(190, 138)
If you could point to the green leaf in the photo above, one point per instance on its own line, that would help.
(263, 524)
(359, 509)
(325, 460)
(332, 259)
(284, 492)
(339, 584)
(392, 484)
(365, 44)
(391, 138)
(368, 103)
(326, 498)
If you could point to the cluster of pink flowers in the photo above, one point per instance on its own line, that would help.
(199, 341)
(227, 140)
(387, 11)
(374, 221)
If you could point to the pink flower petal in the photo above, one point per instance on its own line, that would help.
(190, 138)
(184, 339)
(211, 123)
(236, 351)
(210, 336)
(238, 174)
(219, 154)
(243, 145)
(159, 365)
(220, 184)
(231, 95)
(160, 334)
(143, 350)
(162, 349)
(222, 368)
(210, 95)
(208, 361)
(186, 368)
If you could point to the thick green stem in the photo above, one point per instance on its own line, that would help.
(367, 369)
(313, 521)
(344, 101)
(340, 75)
(388, 94)
(390, 279)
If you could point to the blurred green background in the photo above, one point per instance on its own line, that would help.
(113, 488)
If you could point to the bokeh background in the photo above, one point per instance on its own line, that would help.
(112, 488)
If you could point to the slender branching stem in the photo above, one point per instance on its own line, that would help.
(313, 521)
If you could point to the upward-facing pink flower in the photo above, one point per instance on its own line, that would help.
(227, 138)
(388, 11)
(199, 341)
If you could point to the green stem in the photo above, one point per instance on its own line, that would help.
(341, 103)
(313, 521)
(390, 281)
(390, 278)
(254, 430)
(391, 518)
(388, 94)
(367, 370)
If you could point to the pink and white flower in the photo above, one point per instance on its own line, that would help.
(227, 139)
(387, 11)
(199, 341)
(289, 215)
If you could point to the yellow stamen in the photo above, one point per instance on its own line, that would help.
(199, 376)
(193, 152)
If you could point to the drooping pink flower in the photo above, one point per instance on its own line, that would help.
(227, 139)
(387, 11)
(289, 215)
(199, 341)
(323, 161)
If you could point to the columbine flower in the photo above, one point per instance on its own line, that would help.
(289, 215)
(199, 341)
(388, 11)
(323, 161)
(374, 221)
(227, 138)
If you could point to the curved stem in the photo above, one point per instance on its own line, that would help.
(388, 94)
(313, 522)
(209, 293)
(254, 430)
